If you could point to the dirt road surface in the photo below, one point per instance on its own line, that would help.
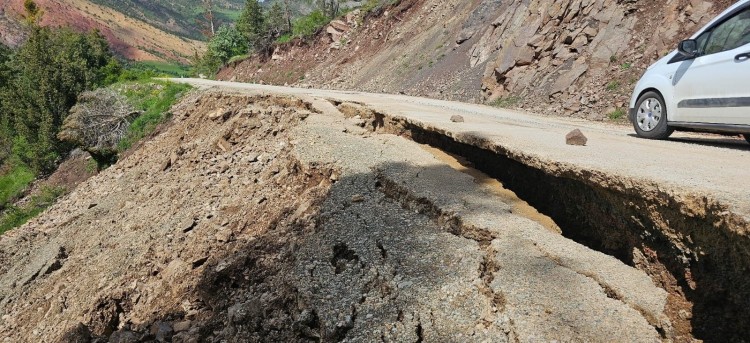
(711, 166)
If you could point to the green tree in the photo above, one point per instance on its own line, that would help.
(33, 13)
(48, 73)
(252, 23)
(227, 43)
(277, 22)
(330, 8)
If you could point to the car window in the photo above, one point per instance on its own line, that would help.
(730, 34)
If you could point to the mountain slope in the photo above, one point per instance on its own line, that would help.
(575, 58)
(177, 17)
(131, 38)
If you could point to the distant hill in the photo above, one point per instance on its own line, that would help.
(179, 17)
(130, 37)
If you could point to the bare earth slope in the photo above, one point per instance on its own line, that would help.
(574, 58)
(278, 214)
(129, 37)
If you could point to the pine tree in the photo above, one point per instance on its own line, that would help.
(276, 22)
(48, 73)
(330, 8)
(252, 24)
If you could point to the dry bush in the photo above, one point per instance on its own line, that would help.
(98, 122)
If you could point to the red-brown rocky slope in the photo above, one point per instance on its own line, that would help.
(575, 58)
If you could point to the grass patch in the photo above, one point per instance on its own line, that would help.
(238, 58)
(617, 114)
(17, 216)
(163, 68)
(309, 25)
(227, 14)
(154, 98)
(285, 38)
(626, 66)
(505, 102)
(613, 86)
(14, 182)
(370, 6)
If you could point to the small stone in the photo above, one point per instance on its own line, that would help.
(252, 157)
(223, 236)
(358, 198)
(162, 331)
(576, 137)
(223, 145)
(187, 224)
(181, 326)
(220, 113)
(457, 119)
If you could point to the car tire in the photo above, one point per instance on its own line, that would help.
(650, 120)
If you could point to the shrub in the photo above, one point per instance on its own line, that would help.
(310, 24)
(154, 99)
(505, 102)
(226, 43)
(17, 216)
(617, 114)
(14, 180)
(613, 86)
(97, 124)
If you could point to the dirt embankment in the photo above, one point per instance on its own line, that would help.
(575, 58)
(159, 237)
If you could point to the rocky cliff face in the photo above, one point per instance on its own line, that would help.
(577, 58)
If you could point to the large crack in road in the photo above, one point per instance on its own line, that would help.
(674, 219)
(689, 246)
(689, 234)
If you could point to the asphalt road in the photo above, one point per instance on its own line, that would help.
(708, 165)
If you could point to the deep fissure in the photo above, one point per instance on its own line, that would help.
(701, 264)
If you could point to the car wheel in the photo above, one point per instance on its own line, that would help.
(651, 117)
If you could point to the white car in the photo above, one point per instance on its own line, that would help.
(702, 86)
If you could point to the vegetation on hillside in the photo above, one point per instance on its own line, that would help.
(40, 82)
(44, 78)
(153, 99)
(184, 17)
(260, 27)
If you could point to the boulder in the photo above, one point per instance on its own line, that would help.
(576, 137)
(339, 25)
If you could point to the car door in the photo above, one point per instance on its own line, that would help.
(715, 87)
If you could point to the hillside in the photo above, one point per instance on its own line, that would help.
(177, 17)
(129, 37)
(573, 58)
